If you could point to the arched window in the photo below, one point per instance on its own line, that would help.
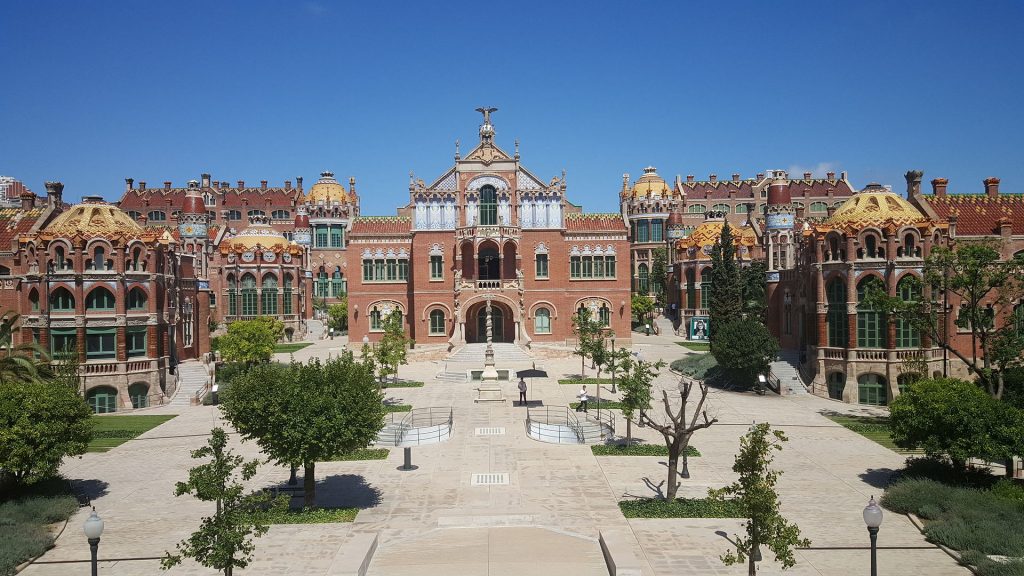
(836, 384)
(61, 262)
(696, 209)
(705, 287)
(139, 394)
(99, 299)
(337, 284)
(249, 298)
(133, 214)
(870, 322)
(286, 294)
(721, 208)
(157, 216)
(542, 321)
(102, 399)
(136, 262)
(234, 215)
(269, 296)
(437, 323)
(33, 298)
(232, 296)
(61, 300)
(281, 214)
(838, 324)
(691, 289)
(642, 279)
(908, 335)
(642, 231)
(488, 206)
(871, 389)
(136, 299)
(255, 212)
(870, 246)
(909, 246)
(98, 259)
(321, 284)
(742, 208)
(375, 320)
(604, 315)
(819, 207)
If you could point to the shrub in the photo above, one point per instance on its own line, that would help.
(23, 523)
(308, 516)
(680, 508)
(695, 365)
(637, 450)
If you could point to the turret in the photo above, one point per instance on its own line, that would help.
(303, 234)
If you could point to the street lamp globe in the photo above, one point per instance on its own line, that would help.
(366, 340)
(93, 525)
(873, 514)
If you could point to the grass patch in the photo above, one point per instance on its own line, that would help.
(696, 346)
(874, 428)
(308, 516)
(403, 384)
(23, 522)
(585, 381)
(680, 508)
(605, 404)
(361, 454)
(695, 365)
(637, 450)
(289, 347)
(389, 408)
(111, 431)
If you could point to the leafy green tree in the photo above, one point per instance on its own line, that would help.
(725, 304)
(390, 351)
(676, 430)
(755, 296)
(337, 315)
(955, 418)
(251, 341)
(755, 492)
(659, 274)
(635, 383)
(41, 423)
(744, 348)
(223, 541)
(643, 307)
(588, 331)
(304, 413)
(19, 362)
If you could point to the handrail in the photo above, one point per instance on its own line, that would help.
(409, 422)
(604, 418)
(563, 416)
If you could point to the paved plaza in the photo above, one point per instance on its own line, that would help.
(545, 521)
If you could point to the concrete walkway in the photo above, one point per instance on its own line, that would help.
(545, 520)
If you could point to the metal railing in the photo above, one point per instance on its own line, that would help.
(561, 418)
(605, 419)
(424, 425)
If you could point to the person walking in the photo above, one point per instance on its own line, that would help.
(583, 399)
(522, 392)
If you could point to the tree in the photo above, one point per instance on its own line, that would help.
(955, 418)
(755, 493)
(676, 430)
(642, 306)
(390, 350)
(974, 274)
(41, 423)
(659, 274)
(755, 297)
(745, 348)
(251, 341)
(725, 304)
(587, 330)
(337, 315)
(222, 541)
(19, 362)
(304, 413)
(635, 384)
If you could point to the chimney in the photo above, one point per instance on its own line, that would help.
(807, 175)
(143, 218)
(287, 184)
(298, 182)
(206, 180)
(167, 185)
(28, 200)
(939, 187)
(263, 184)
(142, 185)
(54, 192)
(128, 183)
(800, 212)
(735, 177)
(913, 182)
(241, 184)
(689, 177)
(953, 218)
(713, 178)
(830, 210)
(991, 187)
(830, 175)
(842, 175)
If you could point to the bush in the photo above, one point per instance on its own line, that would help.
(362, 454)
(680, 508)
(226, 371)
(637, 450)
(744, 348)
(579, 381)
(309, 516)
(695, 365)
(23, 524)
(20, 543)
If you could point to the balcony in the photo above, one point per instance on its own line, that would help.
(487, 232)
(499, 285)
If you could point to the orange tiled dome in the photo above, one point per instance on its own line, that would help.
(875, 206)
(327, 190)
(650, 184)
(94, 218)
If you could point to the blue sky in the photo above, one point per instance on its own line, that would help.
(98, 91)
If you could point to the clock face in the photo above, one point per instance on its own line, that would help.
(269, 256)
(248, 256)
(287, 257)
(188, 230)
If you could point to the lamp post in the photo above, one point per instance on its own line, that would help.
(873, 519)
(93, 530)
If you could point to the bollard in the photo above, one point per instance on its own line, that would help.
(408, 459)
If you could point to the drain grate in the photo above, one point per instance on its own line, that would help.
(490, 479)
(493, 431)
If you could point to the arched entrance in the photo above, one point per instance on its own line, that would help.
(502, 323)
(872, 389)
(488, 262)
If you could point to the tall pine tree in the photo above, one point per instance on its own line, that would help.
(726, 302)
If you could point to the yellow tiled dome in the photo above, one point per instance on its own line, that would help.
(875, 206)
(650, 184)
(705, 236)
(92, 219)
(327, 190)
(258, 234)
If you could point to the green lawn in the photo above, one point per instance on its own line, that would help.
(605, 404)
(111, 431)
(680, 508)
(24, 520)
(289, 347)
(637, 450)
(875, 428)
(579, 381)
(397, 408)
(403, 384)
(696, 346)
(363, 454)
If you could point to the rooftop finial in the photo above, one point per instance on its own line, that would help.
(486, 130)
(457, 153)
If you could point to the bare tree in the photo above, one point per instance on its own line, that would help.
(677, 431)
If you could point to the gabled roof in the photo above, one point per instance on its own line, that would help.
(596, 222)
(377, 225)
(979, 214)
(14, 222)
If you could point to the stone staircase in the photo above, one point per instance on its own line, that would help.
(192, 377)
(504, 354)
(787, 371)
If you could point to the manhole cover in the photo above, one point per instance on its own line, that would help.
(490, 479)
(495, 431)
